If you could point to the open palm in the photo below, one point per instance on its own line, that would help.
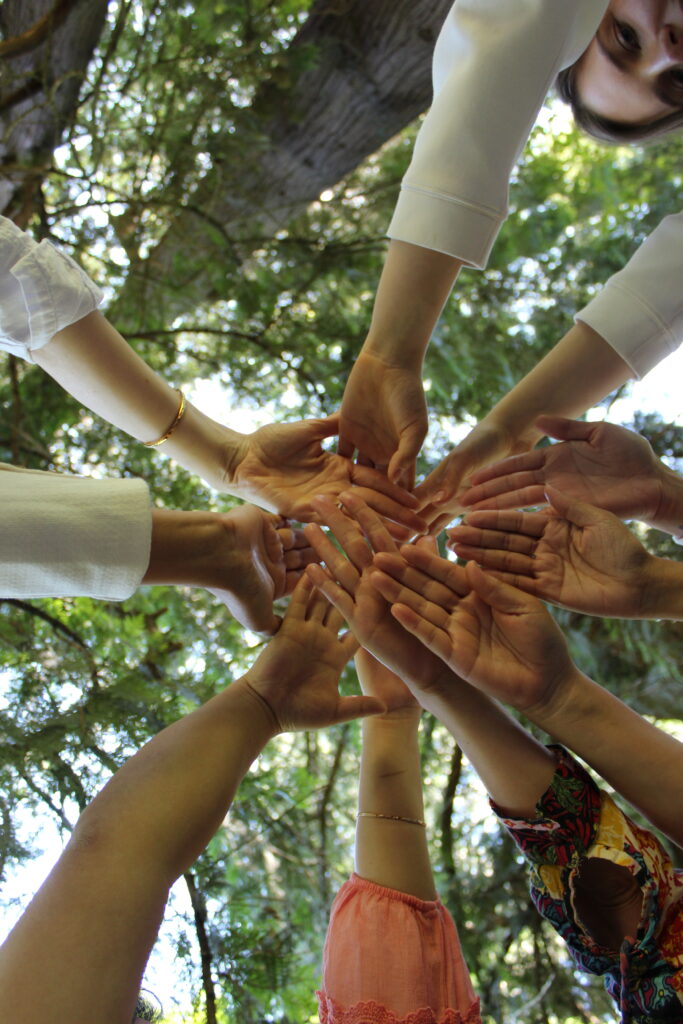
(580, 557)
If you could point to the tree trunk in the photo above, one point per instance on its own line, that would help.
(52, 42)
(358, 72)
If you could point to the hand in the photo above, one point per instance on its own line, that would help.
(384, 416)
(439, 494)
(578, 557)
(297, 675)
(261, 560)
(347, 584)
(378, 681)
(498, 639)
(283, 466)
(599, 463)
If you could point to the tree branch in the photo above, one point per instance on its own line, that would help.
(38, 32)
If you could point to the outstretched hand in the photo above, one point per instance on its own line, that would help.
(283, 466)
(347, 583)
(297, 675)
(383, 417)
(498, 639)
(439, 493)
(261, 559)
(600, 463)
(578, 557)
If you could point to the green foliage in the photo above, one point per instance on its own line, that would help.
(85, 684)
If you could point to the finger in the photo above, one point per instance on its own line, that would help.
(296, 610)
(350, 708)
(390, 509)
(317, 607)
(292, 577)
(325, 426)
(393, 591)
(434, 638)
(292, 537)
(298, 558)
(402, 465)
(332, 591)
(345, 447)
(502, 561)
(417, 581)
(347, 532)
(577, 512)
(365, 476)
(373, 527)
(342, 569)
(527, 497)
(439, 487)
(564, 429)
(334, 619)
(441, 569)
(499, 540)
(531, 524)
(527, 462)
(498, 595)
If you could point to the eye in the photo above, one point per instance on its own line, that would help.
(626, 36)
(676, 76)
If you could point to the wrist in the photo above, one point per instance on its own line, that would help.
(183, 548)
(567, 704)
(207, 448)
(255, 708)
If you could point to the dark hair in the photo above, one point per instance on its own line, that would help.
(603, 128)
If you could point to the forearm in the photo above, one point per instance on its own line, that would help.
(411, 294)
(662, 591)
(95, 364)
(391, 852)
(641, 762)
(184, 548)
(579, 371)
(514, 767)
(164, 805)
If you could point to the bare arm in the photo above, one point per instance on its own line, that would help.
(92, 924)
(580, 370)
(384, 413)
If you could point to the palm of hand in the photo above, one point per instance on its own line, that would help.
(517, 658)
(606, 472)
(285, 465)
(379, 632)
(297, 675)
(380, 403)
(595, 569)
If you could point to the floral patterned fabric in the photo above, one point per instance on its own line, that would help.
(576, 820)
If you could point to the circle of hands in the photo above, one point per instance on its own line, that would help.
(420, 616)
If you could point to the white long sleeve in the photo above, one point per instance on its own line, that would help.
(66, 536)
(42, 291)
(494, 62)
(640, 309)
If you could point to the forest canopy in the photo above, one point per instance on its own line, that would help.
(226, 171)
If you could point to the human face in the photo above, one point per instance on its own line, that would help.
(632, 71)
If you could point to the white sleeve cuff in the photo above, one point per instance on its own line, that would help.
(41, 291)
(445, 224)
(67, 536)
(639, 312)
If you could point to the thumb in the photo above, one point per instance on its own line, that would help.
(564, 429)
(358, 707)
(577, 512)
(498, 595)
(401, 469)
(325, 426)
(441, 484)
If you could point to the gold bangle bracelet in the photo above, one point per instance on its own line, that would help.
(176, 421)
(392, 817)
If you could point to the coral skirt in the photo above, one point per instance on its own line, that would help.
(391, 958)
